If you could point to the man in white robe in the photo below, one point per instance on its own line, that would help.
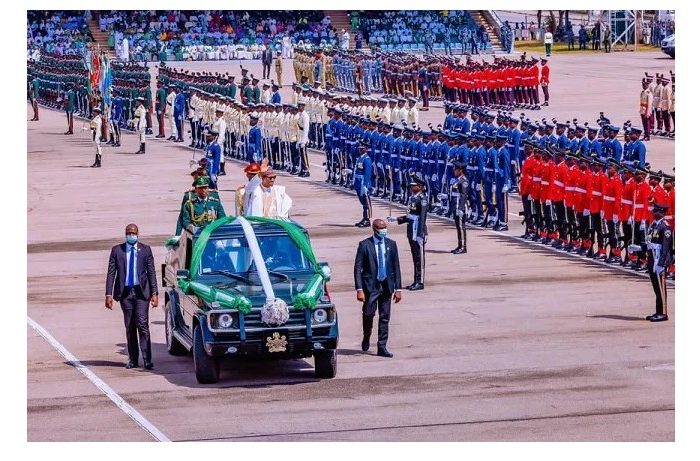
(268, 199)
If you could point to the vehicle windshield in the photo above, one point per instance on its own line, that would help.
(233, 255)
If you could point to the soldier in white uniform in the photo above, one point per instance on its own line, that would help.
(266, 96)
(220, 127)
(169, 108)
(412, 112)
(394, 112)
(140, 124)
(403, 111)
(96, 127)
(304, 126)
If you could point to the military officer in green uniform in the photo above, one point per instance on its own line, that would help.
(416, 230)
(69, 105)
(256, 91)
(161, 103)
(201, 209)
(34, 97)
(659, 258)
(148, 104)
(190, 194)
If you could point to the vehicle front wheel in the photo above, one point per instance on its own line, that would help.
(206, 368)
(174, 346)
(325, 363)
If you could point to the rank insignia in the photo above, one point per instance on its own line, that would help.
(276, 343)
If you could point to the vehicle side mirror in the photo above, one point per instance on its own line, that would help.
(183, 273)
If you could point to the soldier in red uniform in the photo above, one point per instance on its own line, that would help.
(598, 180)
(548, 174)
(570, 199)
(535, 188)
(641, 216)
(629, 186)
(561, 173)
(670, 186)
(525, 187)
(583, 212)
(612, 195)
(544, 81)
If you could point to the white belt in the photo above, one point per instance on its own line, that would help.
(627, 202)
(639, 205)
(536, 179)
(569, 189)
(455, 194)
(583, 191)
(559, 183)
(545, 183)
(596, 193)
(488, 169)
(608, 198)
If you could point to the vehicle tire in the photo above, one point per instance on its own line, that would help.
(174, 346)
(325, 363)
(206, 368)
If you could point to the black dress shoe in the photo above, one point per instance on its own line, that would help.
(365, 344)
(130, 365)
(459, 251)
(649, 317)
(148, 365)
(416, 287)
(382, 352)
(410, 287)
(658, 318)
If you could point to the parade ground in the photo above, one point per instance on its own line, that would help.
(509, 342)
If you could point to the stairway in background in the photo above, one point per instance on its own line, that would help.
(341, 20)
(101, 38)
(480, 17)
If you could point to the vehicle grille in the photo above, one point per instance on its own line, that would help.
(296, 318)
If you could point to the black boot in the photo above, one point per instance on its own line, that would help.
(111, 140)
(222, 172)
(96, 163)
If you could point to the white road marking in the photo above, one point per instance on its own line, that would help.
(662, 367)
(130, 411)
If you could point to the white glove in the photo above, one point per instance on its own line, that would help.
(549, 202)
(363, 191)
(433, 177)
(478, 187)
(616, 218)
(630, 220)
(460, 213)
(643, 226)
(493, 188)
(505, 188)
(529, 196)
(659, 269)
(586, 212)
(419, 240)
(391, 219)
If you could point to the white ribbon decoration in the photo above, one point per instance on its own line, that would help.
(258, 259)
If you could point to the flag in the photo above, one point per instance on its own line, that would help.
(107, 80)
(96, 69)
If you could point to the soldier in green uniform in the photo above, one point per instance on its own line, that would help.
(416, 230)
(191, 195)
(161, 103)
(34, 96)
(256, 91)
(69, 105)
(247, 92)
(201, 209)
(148, 104)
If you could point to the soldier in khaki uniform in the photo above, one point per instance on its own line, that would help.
(646, 101)
(666, 95)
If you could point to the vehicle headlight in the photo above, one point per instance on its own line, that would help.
(320, 316)
(225, 320)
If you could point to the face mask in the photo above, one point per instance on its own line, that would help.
(131, 239)
(381, 233)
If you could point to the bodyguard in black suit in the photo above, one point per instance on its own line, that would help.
(377, 280)
(131, 280)
(266, 59)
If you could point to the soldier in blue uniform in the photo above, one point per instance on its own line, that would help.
(459, 193)
(489, 180)
(638, 149)
(213, 156)
(115, 138)
(387, 149)
(362, 183)
(614, 146)
(503, 183)
(440, 149)
(514, 146)
(254, 141)
(396, 170)
(478, 164)
(416, 231)
(562, 138)
(659, 243)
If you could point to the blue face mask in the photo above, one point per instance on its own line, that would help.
(381, 233)
(131, 239)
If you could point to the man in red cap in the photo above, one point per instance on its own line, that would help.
(245, 192)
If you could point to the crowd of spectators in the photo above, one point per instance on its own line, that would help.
(57, 32)
(214, 33)
(418, 29)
